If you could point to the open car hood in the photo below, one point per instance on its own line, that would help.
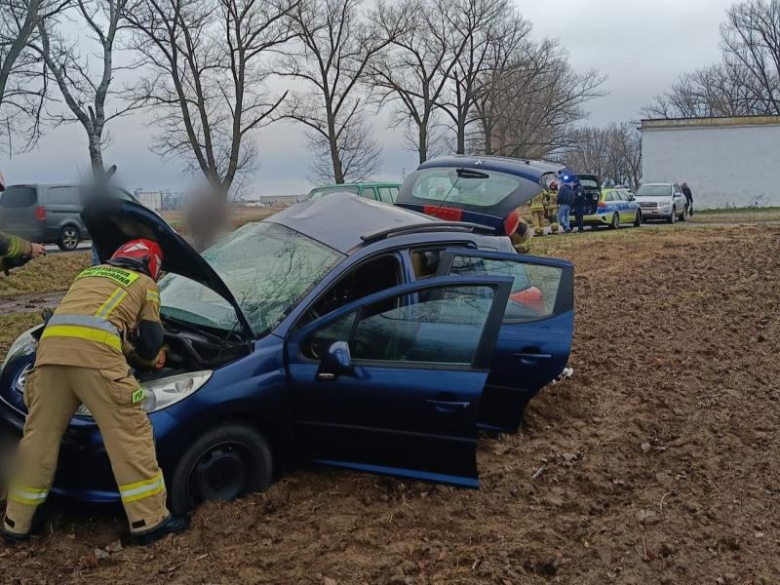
(112, 222)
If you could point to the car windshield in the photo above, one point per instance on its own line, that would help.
(269, 268)
(464, 186)
(317, 193)
(655, 191)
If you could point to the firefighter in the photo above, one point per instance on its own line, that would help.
(552, 207)
(81, 361)
(519, 232)
(537, 212)
(16, 252)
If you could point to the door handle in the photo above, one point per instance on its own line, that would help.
(531, 357)
(449, 405)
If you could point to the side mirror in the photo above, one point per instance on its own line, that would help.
(337, 362)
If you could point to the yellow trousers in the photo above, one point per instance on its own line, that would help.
(538, 217)
(53, 394)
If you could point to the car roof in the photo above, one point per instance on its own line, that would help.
(340, 221)
(526, 168)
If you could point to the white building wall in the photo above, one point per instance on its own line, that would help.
(726, 163)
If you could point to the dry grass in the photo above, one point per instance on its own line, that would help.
(43, 275)
(12, 325)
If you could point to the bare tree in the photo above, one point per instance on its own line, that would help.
(747, 80)
(751, 37)
(334, 50)
(613, 153)
(84, 90)
(413, 72)
(209, 66)
(527, 106)
(22, 75)
(476, 25)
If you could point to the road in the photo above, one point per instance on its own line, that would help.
(82, 247)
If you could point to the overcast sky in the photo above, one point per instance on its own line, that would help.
(643, 46)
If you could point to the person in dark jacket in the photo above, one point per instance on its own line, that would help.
(565, 202)
(688, 199)
(579, 206)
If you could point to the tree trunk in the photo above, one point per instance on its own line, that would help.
(96, 156)
(423, 146)
(461, 139)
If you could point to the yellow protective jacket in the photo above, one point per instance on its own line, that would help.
(538, 202)
(90, 327)
(14, 251)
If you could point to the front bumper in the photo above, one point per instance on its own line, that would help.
(656, 213)
(83, 471)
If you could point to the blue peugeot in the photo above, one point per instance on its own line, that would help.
(340, 331)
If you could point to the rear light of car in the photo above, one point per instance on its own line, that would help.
(445, 213)
(511, 223)
(40, 213)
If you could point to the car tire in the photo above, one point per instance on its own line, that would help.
(638, 219)
(684, 215)
(226, 462)
(615, 223)
(673, 218)
(69, 238)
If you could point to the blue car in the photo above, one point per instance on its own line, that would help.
(340, 331)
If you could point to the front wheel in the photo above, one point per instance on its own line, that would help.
(615, 221)
(225, 463)
(684, 215)
(638, 219)
(69, 238)
(673, 218)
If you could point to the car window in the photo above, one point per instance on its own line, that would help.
(655, 191)
(465, 187)
(368, 193)
(63, 196)
(366, 279)
(610, 196)
(534, 290)
(386, 194)
(19, 197)
(442, 327)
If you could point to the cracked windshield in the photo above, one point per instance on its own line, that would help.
(267, 267)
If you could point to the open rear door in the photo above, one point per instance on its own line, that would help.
(536, 332)
(392, 383)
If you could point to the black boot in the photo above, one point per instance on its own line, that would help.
(11, 539)
(173, 525)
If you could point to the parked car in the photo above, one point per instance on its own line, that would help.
(612, 207)
(384, 192)
(48, 214)
(352, 333)
(482, 190)
(662, 201)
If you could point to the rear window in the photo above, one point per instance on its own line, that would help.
(589, 184)
(19, 197)
(464, 186)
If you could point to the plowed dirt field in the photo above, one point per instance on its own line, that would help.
(656, 464)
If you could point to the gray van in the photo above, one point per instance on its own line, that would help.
(47, 214)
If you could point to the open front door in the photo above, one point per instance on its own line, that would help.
(536, 332)
(392, 383)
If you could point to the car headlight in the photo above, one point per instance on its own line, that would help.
(160, 394)
(24, 345)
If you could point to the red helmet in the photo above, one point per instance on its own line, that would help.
(146, 255)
